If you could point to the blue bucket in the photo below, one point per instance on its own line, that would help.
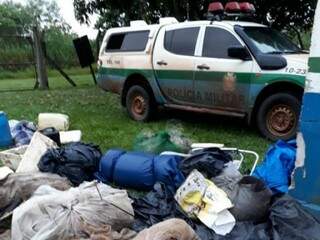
(5, 134)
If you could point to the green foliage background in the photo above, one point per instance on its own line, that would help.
(18, 19)
(279, 13)
(290, 15)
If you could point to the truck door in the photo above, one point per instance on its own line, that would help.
(221, 82)
(174, 61)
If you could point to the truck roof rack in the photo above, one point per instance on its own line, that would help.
(167, 20)
(162, 21)
(138, 23)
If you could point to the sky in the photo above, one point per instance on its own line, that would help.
(66, 9)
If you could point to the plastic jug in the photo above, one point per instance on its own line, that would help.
(56, 120)
(5, 134)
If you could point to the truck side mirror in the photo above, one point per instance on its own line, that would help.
(239, 52)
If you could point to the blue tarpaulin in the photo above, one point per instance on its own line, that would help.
(278, 165)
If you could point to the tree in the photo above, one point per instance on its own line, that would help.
(42, 13)
(13, 15)
(286, 13)
(46, 14)
(19, 19)
(281, 13)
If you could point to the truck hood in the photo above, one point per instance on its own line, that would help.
(297, 58)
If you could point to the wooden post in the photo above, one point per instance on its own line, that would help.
(40, 59)
(93, 75)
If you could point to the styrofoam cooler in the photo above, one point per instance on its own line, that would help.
(5, 134)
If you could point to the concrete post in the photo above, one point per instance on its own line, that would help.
(41, 65)
(307, 175)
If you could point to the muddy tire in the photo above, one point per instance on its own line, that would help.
(140, 104)
(278, 116)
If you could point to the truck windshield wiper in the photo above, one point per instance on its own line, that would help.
(275, 52)
(284, 52)
(291, 52)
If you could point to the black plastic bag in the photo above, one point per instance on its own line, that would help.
(286, 219)
(250, 196)
(289, 221)
(53, 134)
(247, 231)
(77, 161)
(159, 205)
(210, 162)
(155, 207)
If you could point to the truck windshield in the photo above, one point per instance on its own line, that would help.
(271, 41)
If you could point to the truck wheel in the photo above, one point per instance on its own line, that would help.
(140, 104)
(278, 116)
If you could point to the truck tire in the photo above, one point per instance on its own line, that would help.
(278, 116)
(140, 104)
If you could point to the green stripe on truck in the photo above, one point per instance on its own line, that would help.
(314, 64)
(245, 78)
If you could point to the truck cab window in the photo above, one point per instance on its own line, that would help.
(130, 41)
(216, 43)
(181, 41)
(115, 42)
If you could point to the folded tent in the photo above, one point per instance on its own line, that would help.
(139, 170)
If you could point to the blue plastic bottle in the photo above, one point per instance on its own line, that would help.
(5, 134)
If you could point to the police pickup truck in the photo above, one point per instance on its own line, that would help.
(234, 68)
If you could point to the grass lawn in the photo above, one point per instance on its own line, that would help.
(103, 121)
(55, 82)
(30, 73)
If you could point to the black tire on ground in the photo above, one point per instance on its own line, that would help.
(140, 103)
(278, 116)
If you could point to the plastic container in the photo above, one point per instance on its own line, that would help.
(53, 120)
(70, 136)
(5, 134)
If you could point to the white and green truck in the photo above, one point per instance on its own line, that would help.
(234, 68)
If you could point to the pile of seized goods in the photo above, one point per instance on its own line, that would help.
(53, 186)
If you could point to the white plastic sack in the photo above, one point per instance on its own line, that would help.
(19, 187)
(4, 172)
(200, 197)
(12, 157)
(56, 120)
(13, 123)
(6, 235)
(38, 146)
(51, 214)
(70, 136)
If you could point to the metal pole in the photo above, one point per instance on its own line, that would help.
(93, 75)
